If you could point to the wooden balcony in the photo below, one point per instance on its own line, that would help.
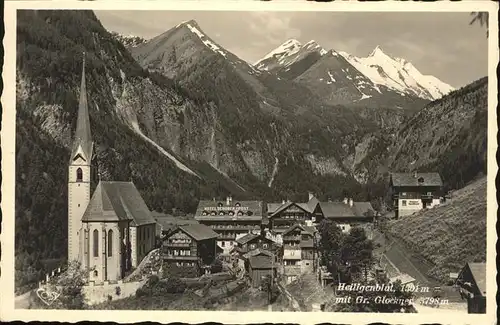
(180, 257)
(171, 244)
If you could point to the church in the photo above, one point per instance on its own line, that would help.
(110, 230)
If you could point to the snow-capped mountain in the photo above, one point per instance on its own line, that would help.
(288, 53)
(393, 78)
(398, 74)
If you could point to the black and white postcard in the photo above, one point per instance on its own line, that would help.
(247, 161)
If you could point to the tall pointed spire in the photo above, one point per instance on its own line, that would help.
(83, 136)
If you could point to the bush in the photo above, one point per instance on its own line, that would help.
(142, 292)
(152, 281)
(174, 285)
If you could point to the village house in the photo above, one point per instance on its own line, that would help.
(252, 244)
(348, 214)
(190, 246)
(286, 214)
(471, 282)
(412, 192)
(261, 266)
(110, 230)
(230, 219)
(299, 251)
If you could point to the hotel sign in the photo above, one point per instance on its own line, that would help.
(226, 208)
(413, 202)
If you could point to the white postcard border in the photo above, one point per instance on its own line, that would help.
(7, 311)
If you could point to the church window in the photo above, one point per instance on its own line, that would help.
(110, 242)
(79, 175)
(96, 243)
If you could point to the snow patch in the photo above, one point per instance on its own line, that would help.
(211, 45)
(275, 171)
(179, 165)
(331, 77)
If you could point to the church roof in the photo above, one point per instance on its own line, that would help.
(83, 137)
(117, 201)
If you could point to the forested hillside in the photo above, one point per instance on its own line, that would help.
(448, 135)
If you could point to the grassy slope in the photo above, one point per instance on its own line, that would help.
(451, 234)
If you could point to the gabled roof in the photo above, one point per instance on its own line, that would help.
(199, 231)
(250, 210)
(363, 208)
(245, 239)
(257, 251)
(416, 179)
(304, 229)
(336, 209)
(478, 271)
(116, 201)
(82, 142)
(272, 207)
(313, 202)
(287, 205)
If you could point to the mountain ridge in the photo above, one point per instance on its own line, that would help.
(378, 68)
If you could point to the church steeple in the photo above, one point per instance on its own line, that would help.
(82, 144)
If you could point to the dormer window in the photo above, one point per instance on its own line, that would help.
(240, 213)
(237, 204)
(231, 213)
(420, 180)
(249, 213)
(221, 213)
(204, 213)
(213, 213)
(79, 175)
(219, 204)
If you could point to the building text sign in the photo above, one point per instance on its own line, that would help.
(226, 208)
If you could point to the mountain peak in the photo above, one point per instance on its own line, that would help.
(190, 22)
(377, 51)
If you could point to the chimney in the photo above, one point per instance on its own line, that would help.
(227, 200)
(283, 201)
(310, 196)
(415, 174)
(351, 202)
(230, 198)
(346, 200)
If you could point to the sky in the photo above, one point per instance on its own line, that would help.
(442, 44)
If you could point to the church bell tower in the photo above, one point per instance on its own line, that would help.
(79, 174)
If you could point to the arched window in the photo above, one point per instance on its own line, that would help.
(110, 243)
(79, 175)
(96, 242)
